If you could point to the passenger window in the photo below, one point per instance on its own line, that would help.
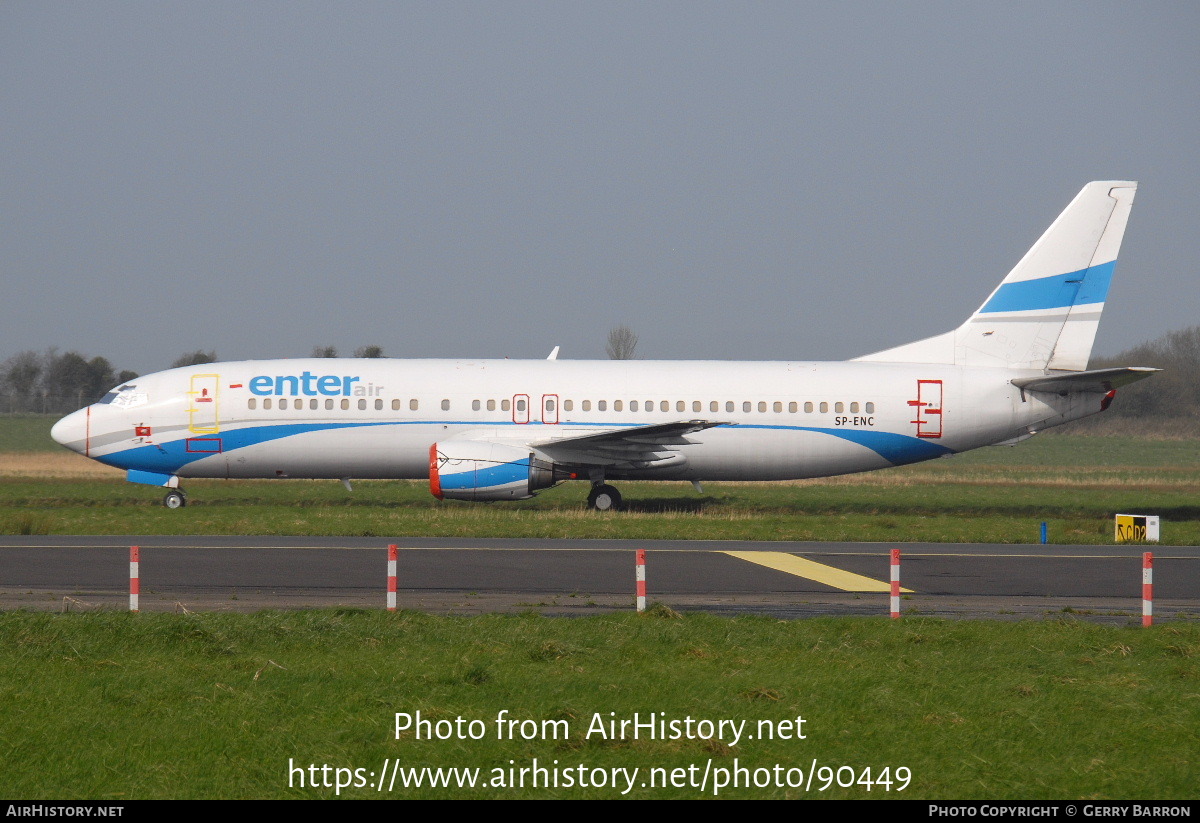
(633, 405)
(792, 407)
(549, 405)
(854, 408)
(695, 406)
(762, 405)
(824, 408)
(602, 405)
(568, 405)
(713, 406)
(777, 407)
(728, 405)
(413, 404)
(252, 403)
(504, 405)
(378, 405)
(520, 405)
(491, 405)
(586, 405)
(839, 407)
(395, 405)
(808, 407)
(362, 405)
(345, 405)
(870, 408)
(445, 405)
(474, 405)
(312, 404)
(283, 402)
(617, 405)
(266, 402)
(747, 405)
(329, 404)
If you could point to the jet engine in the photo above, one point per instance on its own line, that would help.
(478, 470)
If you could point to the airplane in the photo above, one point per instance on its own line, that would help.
(488, 430)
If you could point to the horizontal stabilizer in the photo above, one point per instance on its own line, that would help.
(1097, 380)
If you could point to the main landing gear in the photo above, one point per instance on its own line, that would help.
(604, 497)
(175, 499)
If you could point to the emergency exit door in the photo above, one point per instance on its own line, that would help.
(203, 414)
(928, 406)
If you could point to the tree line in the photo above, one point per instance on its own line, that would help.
(1167, 403)
(54, 382)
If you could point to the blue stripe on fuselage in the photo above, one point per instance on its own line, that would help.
(897, 449)
(172, 456)
(1077, 288)
(169, 458)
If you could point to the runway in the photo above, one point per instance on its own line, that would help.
(565, 577)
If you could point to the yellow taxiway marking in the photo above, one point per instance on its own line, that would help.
(791, 564)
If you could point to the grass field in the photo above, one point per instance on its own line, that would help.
(113, 706)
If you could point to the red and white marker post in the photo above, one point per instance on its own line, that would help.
(641, 580)
(1147, 588)
(895, 584)
(135, 582)
(391, 595)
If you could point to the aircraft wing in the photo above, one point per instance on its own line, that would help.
(632, 445)
(1097, 380)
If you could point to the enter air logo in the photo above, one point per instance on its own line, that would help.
(312, 385)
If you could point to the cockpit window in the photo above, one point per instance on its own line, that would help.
(126, 396)
(112, 395)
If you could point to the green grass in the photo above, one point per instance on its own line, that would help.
(1087, 451)
(919, 511)
(27, 433)
(111, 706)
(118, 706)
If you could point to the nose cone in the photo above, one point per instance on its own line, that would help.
(72, 431)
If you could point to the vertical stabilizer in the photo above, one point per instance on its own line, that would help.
(1045, 313)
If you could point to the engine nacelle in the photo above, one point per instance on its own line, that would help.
(478, 470)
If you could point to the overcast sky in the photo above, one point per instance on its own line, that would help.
(488, 179)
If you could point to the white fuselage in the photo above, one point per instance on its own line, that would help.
(342, 418)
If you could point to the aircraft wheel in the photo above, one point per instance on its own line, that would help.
(175, 499)
(603, 498)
